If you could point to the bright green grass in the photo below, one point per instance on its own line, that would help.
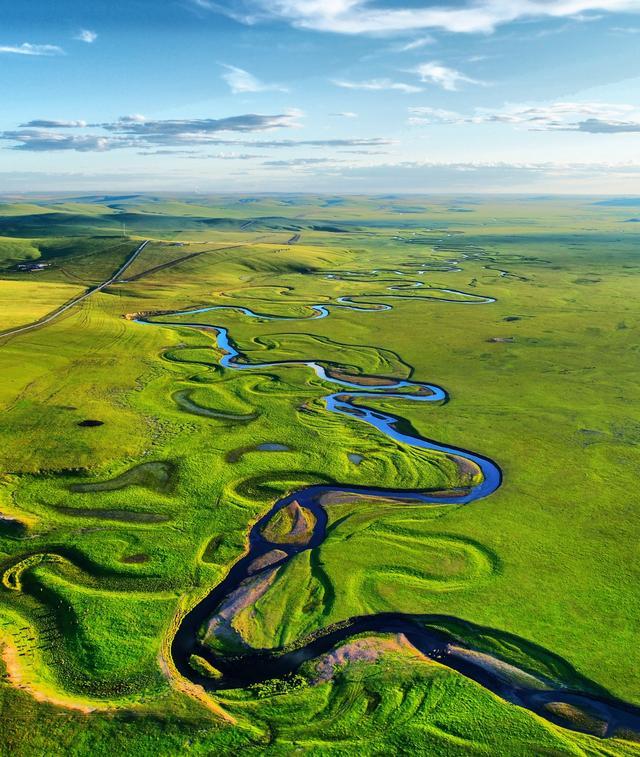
(29, 299)
(551, 557)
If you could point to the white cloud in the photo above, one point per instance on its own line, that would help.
(301, 162)
(133, 118)
(42, 140)
(426, 115)
(591, 118)
(361, 17)
(86, 35)
(137, 131)
(26, 48)
(442, 76)
(42, 123)
(241, 81)
(378, 85)
(235, 156)
(416, 44)
(344, 114)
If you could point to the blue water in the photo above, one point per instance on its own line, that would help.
(321, 311)
(342, 404)
(347, 303)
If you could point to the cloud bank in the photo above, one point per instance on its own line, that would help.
(589, 118)
(148, 135)
(363, 17)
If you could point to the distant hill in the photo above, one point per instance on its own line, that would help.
(620, 202)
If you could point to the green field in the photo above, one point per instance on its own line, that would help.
(110, 532)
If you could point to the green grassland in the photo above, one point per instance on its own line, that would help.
(109, 533)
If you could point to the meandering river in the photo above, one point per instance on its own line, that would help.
(551, 699)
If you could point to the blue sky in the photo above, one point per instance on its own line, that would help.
(321, 95)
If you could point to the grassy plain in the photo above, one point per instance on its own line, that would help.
(95, 573)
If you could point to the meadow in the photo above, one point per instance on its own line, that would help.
(133, 465)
